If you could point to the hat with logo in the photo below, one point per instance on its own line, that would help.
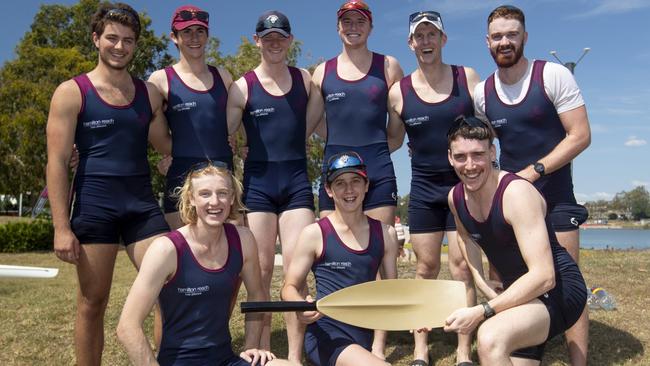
(273, 21)
(189, 15)
(345, 162)
(428, 16)
(355, 5)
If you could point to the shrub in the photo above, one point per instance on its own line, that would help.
(18, 237)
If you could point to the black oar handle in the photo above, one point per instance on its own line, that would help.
(276, 306)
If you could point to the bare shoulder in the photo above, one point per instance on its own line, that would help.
(472, 76)
(306, 78)
(226, 76)
(161, 248)
(238, 93)
(450, 200)
(66, 98)
(521, 197)
(318, 74)
(394, 71)
(395, 93)
(158, 77)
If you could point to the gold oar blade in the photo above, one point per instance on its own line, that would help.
(395, 304)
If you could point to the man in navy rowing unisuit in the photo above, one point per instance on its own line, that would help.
(271, 103)
(425, 104)
(110, 115)
(540, 118)
(195, 95)
(506, 217)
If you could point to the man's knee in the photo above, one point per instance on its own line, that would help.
(489, 344)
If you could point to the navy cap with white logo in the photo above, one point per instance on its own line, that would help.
(273, 21)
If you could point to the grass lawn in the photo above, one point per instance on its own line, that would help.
(37, 315)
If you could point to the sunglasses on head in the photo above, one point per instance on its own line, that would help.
(469, 121)
(348, 160)
(354, 5)
(119, 11)
(194, 14)
(208, 163)
(433, 16)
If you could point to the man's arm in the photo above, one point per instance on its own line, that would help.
(226, 77)
(158, 265)
(395, 129)
(577, 139)
(158, 129)
(472, 79)
(393, 71)
(307, 249)
(251, 277)
(471, 252)
(61, 126)
(237, 97)
(316, 106)
(524, 209)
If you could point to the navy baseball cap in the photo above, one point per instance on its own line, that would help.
(273, 21)
(345, 162)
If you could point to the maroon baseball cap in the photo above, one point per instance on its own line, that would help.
(189, 15)
(355, 5)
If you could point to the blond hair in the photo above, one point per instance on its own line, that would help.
(187, 211)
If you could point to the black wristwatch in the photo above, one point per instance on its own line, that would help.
(539, 168)
(488, 312)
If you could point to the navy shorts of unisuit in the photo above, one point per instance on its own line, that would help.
(326, 339)
(176, 177)
(277, 186)
(428, 207)
(565, 213)
(110, 210)
(383, 185)
(564, 303)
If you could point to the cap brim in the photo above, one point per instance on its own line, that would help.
(360, 11)
(436, 24)
(182, 25)
(271, 30)
(331, 177)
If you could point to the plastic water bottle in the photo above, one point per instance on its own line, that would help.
(602, 298)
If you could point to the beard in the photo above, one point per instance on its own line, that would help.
(507, 61)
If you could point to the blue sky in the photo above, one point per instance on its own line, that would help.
(614, 76)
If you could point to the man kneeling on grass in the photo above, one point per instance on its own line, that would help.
(343, 249)
(505, 216)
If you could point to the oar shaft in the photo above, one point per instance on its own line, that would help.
(276, 306)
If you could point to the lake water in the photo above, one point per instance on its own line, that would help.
(614, 239)
(609, 238)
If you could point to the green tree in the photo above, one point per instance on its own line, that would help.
(638, 201)
(57, 47)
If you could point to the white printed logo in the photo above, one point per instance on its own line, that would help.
(499, 122)
(193, 291)
(183, 106)
(272, 18)
(416, 120)
(574, 221)
(334, 96)
(262, 112)
(338, 265)
(99, 123)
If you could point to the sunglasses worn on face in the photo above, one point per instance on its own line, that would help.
(192, 14)
(470, 121)
(433, 16)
